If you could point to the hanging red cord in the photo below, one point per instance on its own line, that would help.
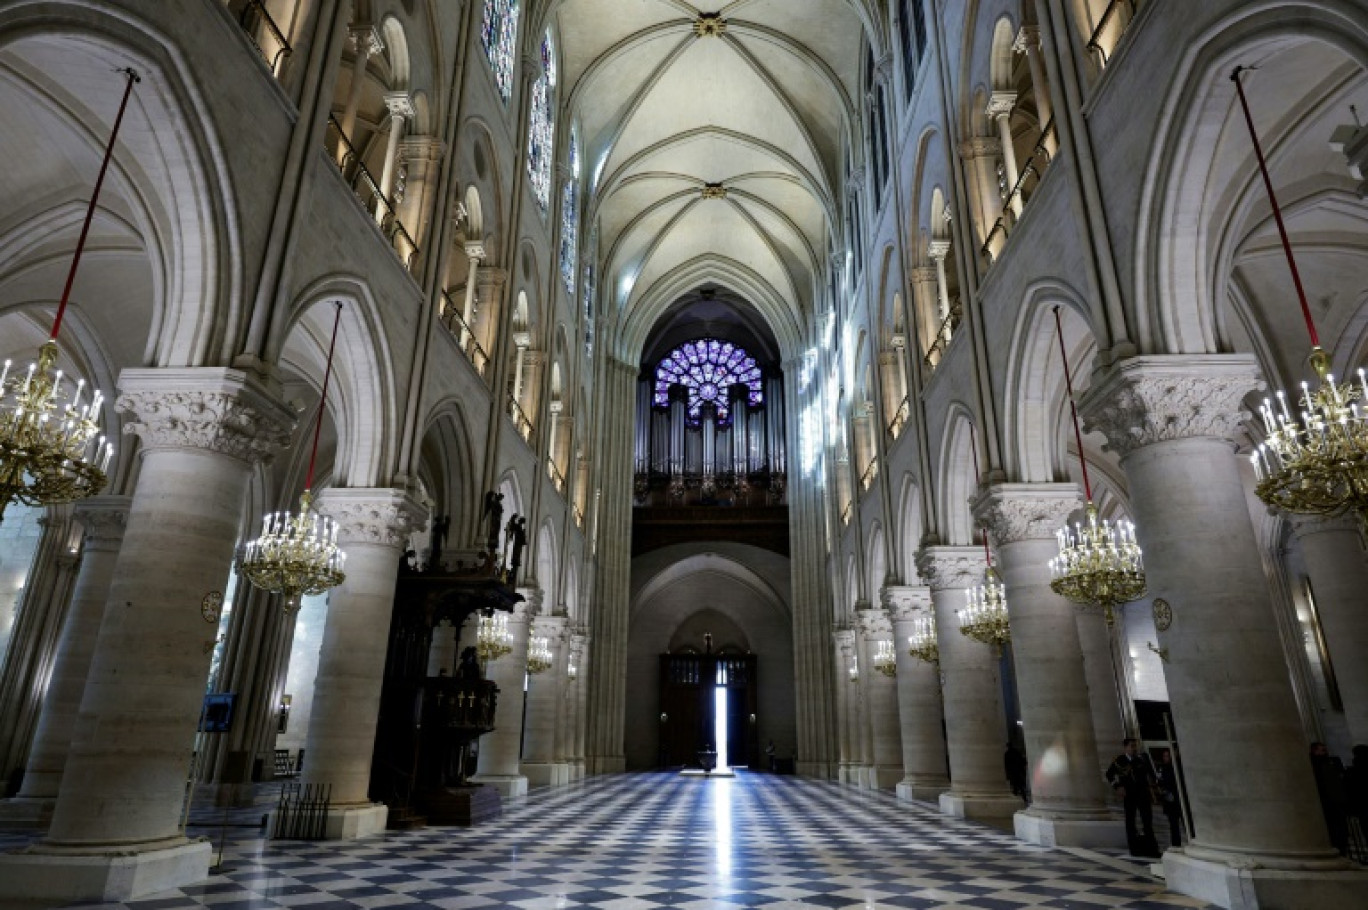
(1073, 408)
(323, 400)
(1273, 201)
(90, 209)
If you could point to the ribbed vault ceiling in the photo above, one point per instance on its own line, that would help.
(762, 109)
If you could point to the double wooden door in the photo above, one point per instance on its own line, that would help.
(689, 686)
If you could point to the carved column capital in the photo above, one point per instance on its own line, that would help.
(1145, 400)
(951, 568)
(400, 105)
(367, 515)
(533, 597)
(873, 622)
(103, 520)
(208, 408)
(554, 628)
(1027, 40)
(1000, 104)
(1025, 511)
(937, 250)
(365, 40)
(905, 602)
(845, 640)
(474, 249)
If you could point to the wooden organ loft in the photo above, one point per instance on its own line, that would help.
(710, 460)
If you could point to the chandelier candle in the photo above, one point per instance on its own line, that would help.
(297, 554)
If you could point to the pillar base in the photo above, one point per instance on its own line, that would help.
(577, 770)
(922, 790)
(816, 769)
(102, 876)
(27, 812)
(883, 777)
(546, 774)
(508, 785)
(1253, 888)
(979, 807)
(1097, 830)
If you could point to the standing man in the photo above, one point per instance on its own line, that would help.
(1132, 776)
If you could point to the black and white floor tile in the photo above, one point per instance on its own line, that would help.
(659, 840)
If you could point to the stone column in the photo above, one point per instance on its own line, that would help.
(847, 700)
(103, 519)
(975, 722)
(1260, 835)
(541, 765)
(1068, 805)
(1000, 106)
(421, 155)
(579, 661)
(373, 528)
(400, 105)
(116, 827)
(475, 254)
(885, 734)
(980, 157)
(500, 750)
(1028, 43)
(39, 616)
(1332, 550)
(366, 42)
(1105, 682)
(920, 716)
(938, 250)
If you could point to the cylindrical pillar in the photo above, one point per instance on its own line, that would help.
(1068, 805)
(1337, 569)
(540, 763)
(500, 750)
(920, 716)
(401, 110)
(884, 731)
(373, 528)
(365, 42)
(103, 519)
(1171, 420)
(1000, 110)
(975, 722)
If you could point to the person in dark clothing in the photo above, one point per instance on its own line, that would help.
(1329, 772)
(1167, 774)
(1132, 776)
(1014, 766)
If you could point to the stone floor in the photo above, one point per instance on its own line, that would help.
(657, 840)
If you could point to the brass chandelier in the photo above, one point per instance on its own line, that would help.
(922, 644)
(539, 655)
(1314, 459)
(493, 638)
(885, 658)
(1099, 562)
(51, 449)
(984, 615)
(297, 553)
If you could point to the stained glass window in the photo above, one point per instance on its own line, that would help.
(499, 38)
(569, 239)
(707, 367)
(541, 131)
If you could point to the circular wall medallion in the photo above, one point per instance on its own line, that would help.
(212, 606)
(1163, 614)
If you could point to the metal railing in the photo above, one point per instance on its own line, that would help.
(847, 512)
(1033, 168)
(899, 421)
(464, 334)
(944, 332)
(870, 473)
(557, 478)
(367, 190)
(579, 516)
(1095, 41)
(262, 30)
(520, 421)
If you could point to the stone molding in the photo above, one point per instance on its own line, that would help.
(1145, 400)
(904, 603)
(532, 600)
(365, 39)
(421, 148)
(103, 520)
(951, 568)
(980, 147)
(1310, 525)
(1014, 512)
(367, 515)
(555, 628)
(1000, 104)
(208, 408)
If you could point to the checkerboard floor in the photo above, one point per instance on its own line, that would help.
(659, 840)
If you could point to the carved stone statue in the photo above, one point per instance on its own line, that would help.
(519, 537)
(493, 518)
(437, 539)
